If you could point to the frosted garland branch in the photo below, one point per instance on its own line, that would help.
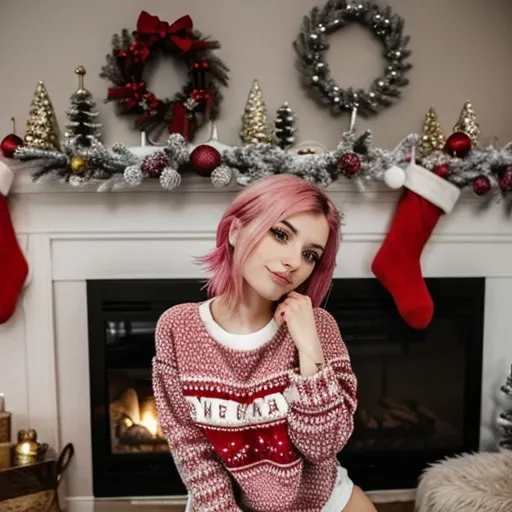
(355, 159)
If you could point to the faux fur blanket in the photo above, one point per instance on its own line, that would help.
(479, 482)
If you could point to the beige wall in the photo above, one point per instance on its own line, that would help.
(462, 49)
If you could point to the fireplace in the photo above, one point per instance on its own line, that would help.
(419, 391)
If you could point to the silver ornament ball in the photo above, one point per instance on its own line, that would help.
(133, 175)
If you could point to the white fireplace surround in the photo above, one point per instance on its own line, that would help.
(71, 235)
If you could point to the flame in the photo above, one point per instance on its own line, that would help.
(149, 421)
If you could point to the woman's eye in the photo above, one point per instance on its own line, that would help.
(279, 234)
(311, 257)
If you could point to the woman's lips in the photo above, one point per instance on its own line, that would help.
(279, 278)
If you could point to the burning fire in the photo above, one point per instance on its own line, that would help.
(139, 412)
(148, 416)
(149, 421)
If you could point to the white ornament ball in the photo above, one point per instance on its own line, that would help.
(133, 175)
(222, 176)
(170, 178)
(394, 177)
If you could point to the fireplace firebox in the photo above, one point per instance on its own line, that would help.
(419, 391)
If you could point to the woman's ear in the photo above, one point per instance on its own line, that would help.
(234, 231)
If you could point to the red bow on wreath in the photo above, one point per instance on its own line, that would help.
(151, 30)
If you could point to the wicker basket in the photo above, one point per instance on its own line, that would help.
(34, 488)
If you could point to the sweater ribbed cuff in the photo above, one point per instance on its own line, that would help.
(315, 392)
(6, 179)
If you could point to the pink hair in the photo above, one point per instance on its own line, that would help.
(258, 208)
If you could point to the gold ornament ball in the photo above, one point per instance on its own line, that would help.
(78, 164)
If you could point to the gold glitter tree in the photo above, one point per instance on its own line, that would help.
(467, 123)
(42, 131)
(256, 125)
(432, 138)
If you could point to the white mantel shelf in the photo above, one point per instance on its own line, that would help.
(71, 235)
(23, 184)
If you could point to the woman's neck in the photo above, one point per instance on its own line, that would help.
(250, 316)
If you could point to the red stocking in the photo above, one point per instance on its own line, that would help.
(12, 262)
(397, 264)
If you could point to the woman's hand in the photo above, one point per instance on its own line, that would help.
(296, 311)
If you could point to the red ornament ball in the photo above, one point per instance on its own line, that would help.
(154, 164)
(205, 159)
(349, 164)
(10, 144)
(458, 144)
(481, 186)
(505, 178)
(442, 171)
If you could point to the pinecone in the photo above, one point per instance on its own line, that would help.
(285, 126)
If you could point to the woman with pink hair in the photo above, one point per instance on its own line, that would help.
(254, 388)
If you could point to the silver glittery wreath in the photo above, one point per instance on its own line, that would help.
(311, 46)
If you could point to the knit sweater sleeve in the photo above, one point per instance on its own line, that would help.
(206, 479)
(322, 407)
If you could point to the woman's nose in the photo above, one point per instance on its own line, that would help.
(292, 260)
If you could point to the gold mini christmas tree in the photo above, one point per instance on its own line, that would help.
(432, 138)
(256, 125)
(467, 123)
(42, 131)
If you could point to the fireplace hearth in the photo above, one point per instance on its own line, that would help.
(419, 391)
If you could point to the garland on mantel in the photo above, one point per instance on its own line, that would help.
(486, 171)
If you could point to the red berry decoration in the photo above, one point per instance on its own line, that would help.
(154, 164)
(443, 171)
(458, 144)
(205, 159)
(481, 186)
(505, 178)
(349, 164)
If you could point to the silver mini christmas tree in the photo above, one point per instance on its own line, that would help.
(505, 418)
(81, 125)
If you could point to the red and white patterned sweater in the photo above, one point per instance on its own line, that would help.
(247, 432)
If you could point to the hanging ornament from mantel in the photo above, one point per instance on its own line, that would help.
(214, 139)
(146, 146)
(11, 142)
(206, 160)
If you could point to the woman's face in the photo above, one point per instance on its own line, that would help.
(286, 256)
